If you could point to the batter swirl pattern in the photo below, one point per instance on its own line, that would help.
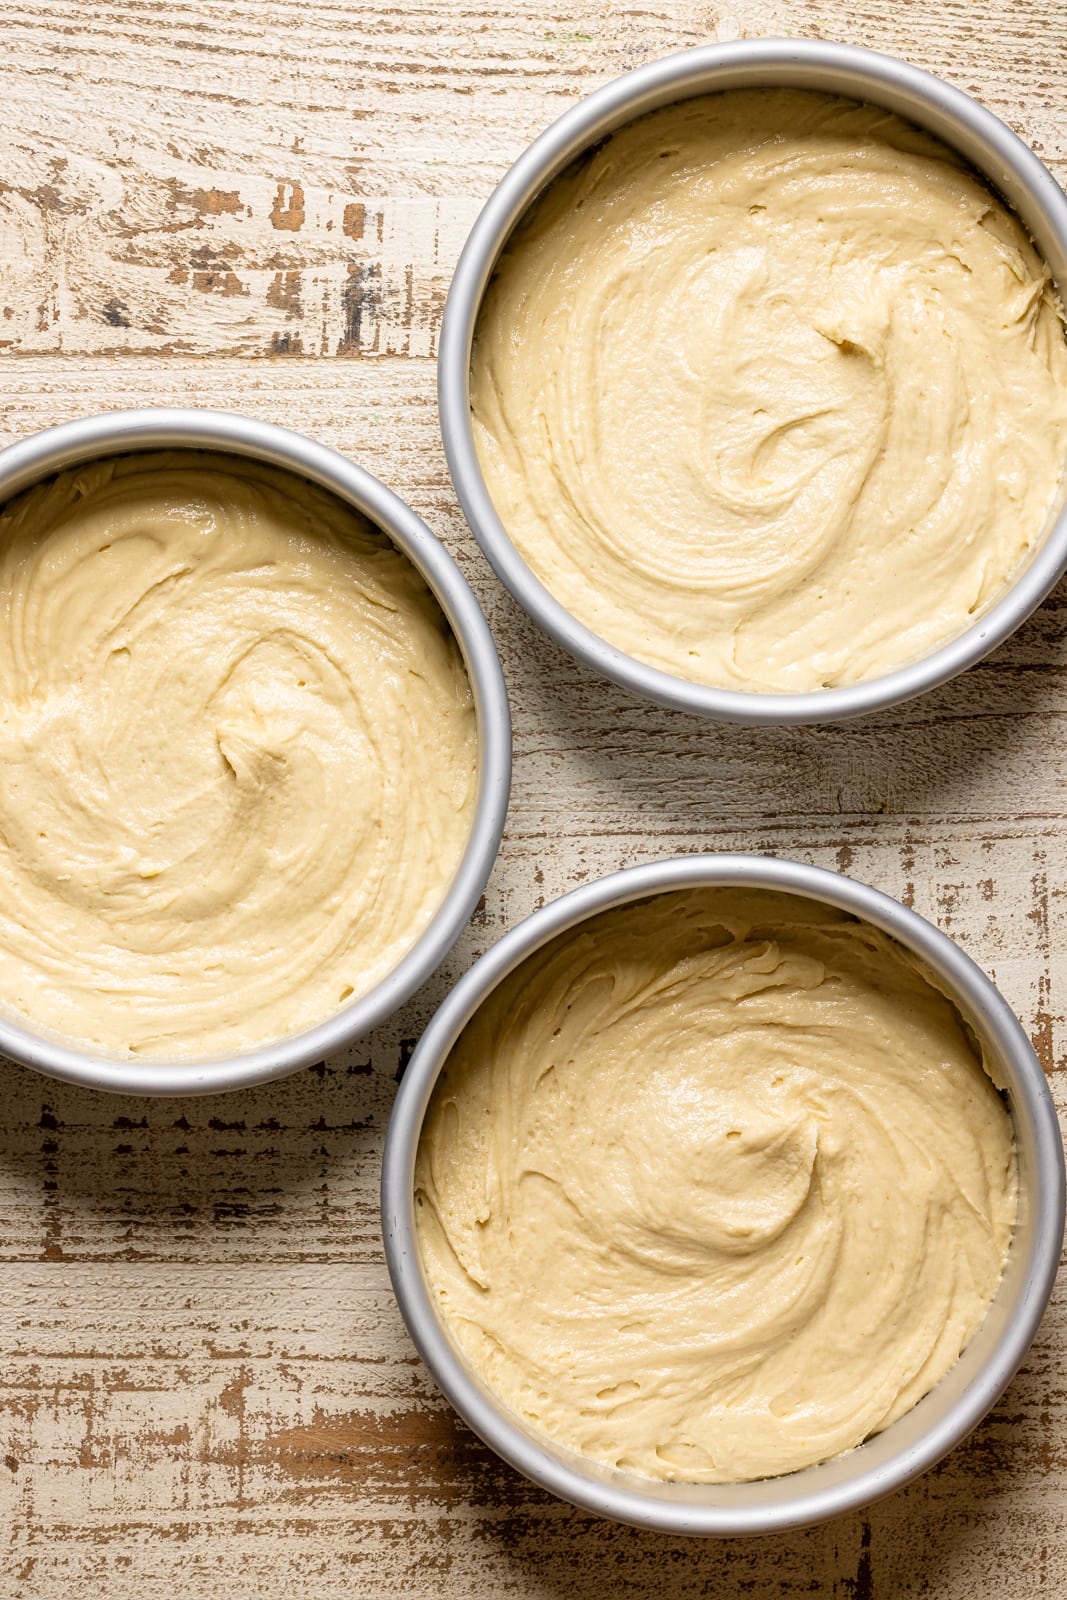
(771, 392)
(715, 1187)
(237, 755)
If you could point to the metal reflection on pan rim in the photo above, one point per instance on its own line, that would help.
(118, 433)
(931, 1428)
(958, 121)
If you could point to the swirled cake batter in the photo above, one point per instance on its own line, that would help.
(237, 754)
(715, 1186)
(770, 391)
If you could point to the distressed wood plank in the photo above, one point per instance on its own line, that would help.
(308, 187)
(190, 1435)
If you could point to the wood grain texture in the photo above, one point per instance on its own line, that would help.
(205, 1386)
(204, 178)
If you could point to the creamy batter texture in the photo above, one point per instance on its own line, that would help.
(715, 1187)
(237, 755)
(771, 392)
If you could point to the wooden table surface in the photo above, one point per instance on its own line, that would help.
(205, 1386)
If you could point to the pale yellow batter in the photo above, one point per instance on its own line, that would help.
(771, 393)
(237, 755)
(715, 1187)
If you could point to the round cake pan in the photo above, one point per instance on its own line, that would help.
(889, 1459)
(954, 118)
(124, 432)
